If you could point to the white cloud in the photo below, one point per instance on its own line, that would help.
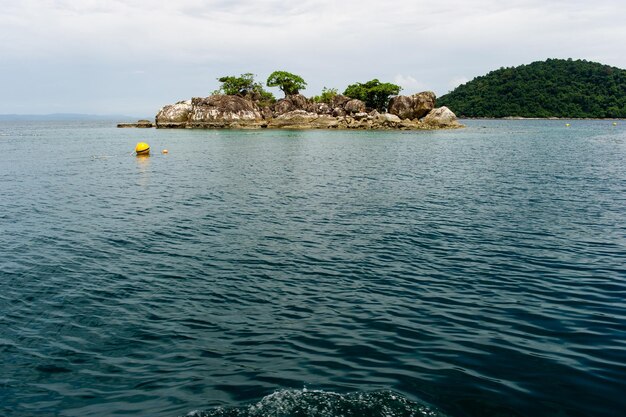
(457, 81)
(409, 84)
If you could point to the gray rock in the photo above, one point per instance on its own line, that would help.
(174, 115)
(339, 112)
(291, 103)
(388, 118)
(412, 107)
(296, 119)
(325, 121)
(139, 124)
(441, 117)
(339, 100)
(267, 113)
(354, 106)
(299, 101)
(283, 106)
(323, 108)
(224, 111)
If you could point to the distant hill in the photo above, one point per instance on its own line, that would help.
(64, 117)
(551, 88)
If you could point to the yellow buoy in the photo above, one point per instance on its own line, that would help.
(567, 124)
(142, 148)
(614, 123)
(164, 151)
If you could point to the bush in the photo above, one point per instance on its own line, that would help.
(326, 96)
(289, 83)
(244, 86)
(375, 94)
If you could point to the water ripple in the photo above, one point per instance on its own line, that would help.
(480, 271)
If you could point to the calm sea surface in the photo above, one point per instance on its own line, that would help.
(469, 273)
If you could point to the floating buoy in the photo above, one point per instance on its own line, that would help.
(566, 124)
(614, 123)
(142, 148)
(165, 151)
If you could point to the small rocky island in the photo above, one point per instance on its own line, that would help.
(243, 104)
(297, 112)
(142, 124)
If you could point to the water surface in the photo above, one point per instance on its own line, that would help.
(476, 272)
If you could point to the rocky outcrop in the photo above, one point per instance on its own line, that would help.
(139, 124)
(412, 107)
(441, 118)
(217, 111)
(341, 105)
(354, 106)
(301, 119)
(291, 103)
(224, 111)
(174, 115)
(298, 112)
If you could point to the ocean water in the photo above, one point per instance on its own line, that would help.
(475, 272)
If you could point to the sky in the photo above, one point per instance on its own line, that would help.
(132, 57)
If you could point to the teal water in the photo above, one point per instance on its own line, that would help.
(475, 272)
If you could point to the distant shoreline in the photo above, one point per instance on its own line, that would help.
(63, 117)
(538, 118)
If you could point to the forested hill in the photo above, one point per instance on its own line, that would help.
(552, 88)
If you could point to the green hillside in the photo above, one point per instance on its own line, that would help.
(552, 88)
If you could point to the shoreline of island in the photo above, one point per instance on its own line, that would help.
(295, 111)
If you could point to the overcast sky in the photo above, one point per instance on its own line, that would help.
(133, 56)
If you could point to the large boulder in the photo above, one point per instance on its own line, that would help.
(322, 108)
(338, 112)
(387, 120)
(339, 100)
(291, 103)
(442, 118)
(412, 107)
(174, 115)
(354, 106)
(224, 111)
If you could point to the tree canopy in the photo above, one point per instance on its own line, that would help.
(244, 86)
(289, 83)
(551, 88)
(374, 93)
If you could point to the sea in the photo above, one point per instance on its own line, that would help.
(478, 272)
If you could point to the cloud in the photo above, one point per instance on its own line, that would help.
(59, 47)
(457, 81)
(409, 84)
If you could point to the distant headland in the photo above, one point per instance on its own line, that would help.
(242, 103)
(555, 88)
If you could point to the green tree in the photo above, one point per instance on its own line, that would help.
(289, 83)
(234, 86)
(244, 86)
(374, 93)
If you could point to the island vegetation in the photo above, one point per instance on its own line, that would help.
(242, 102)
(552, 88)
(375, 94)
(289, 83)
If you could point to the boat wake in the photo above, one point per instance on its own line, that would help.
(307, 403)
